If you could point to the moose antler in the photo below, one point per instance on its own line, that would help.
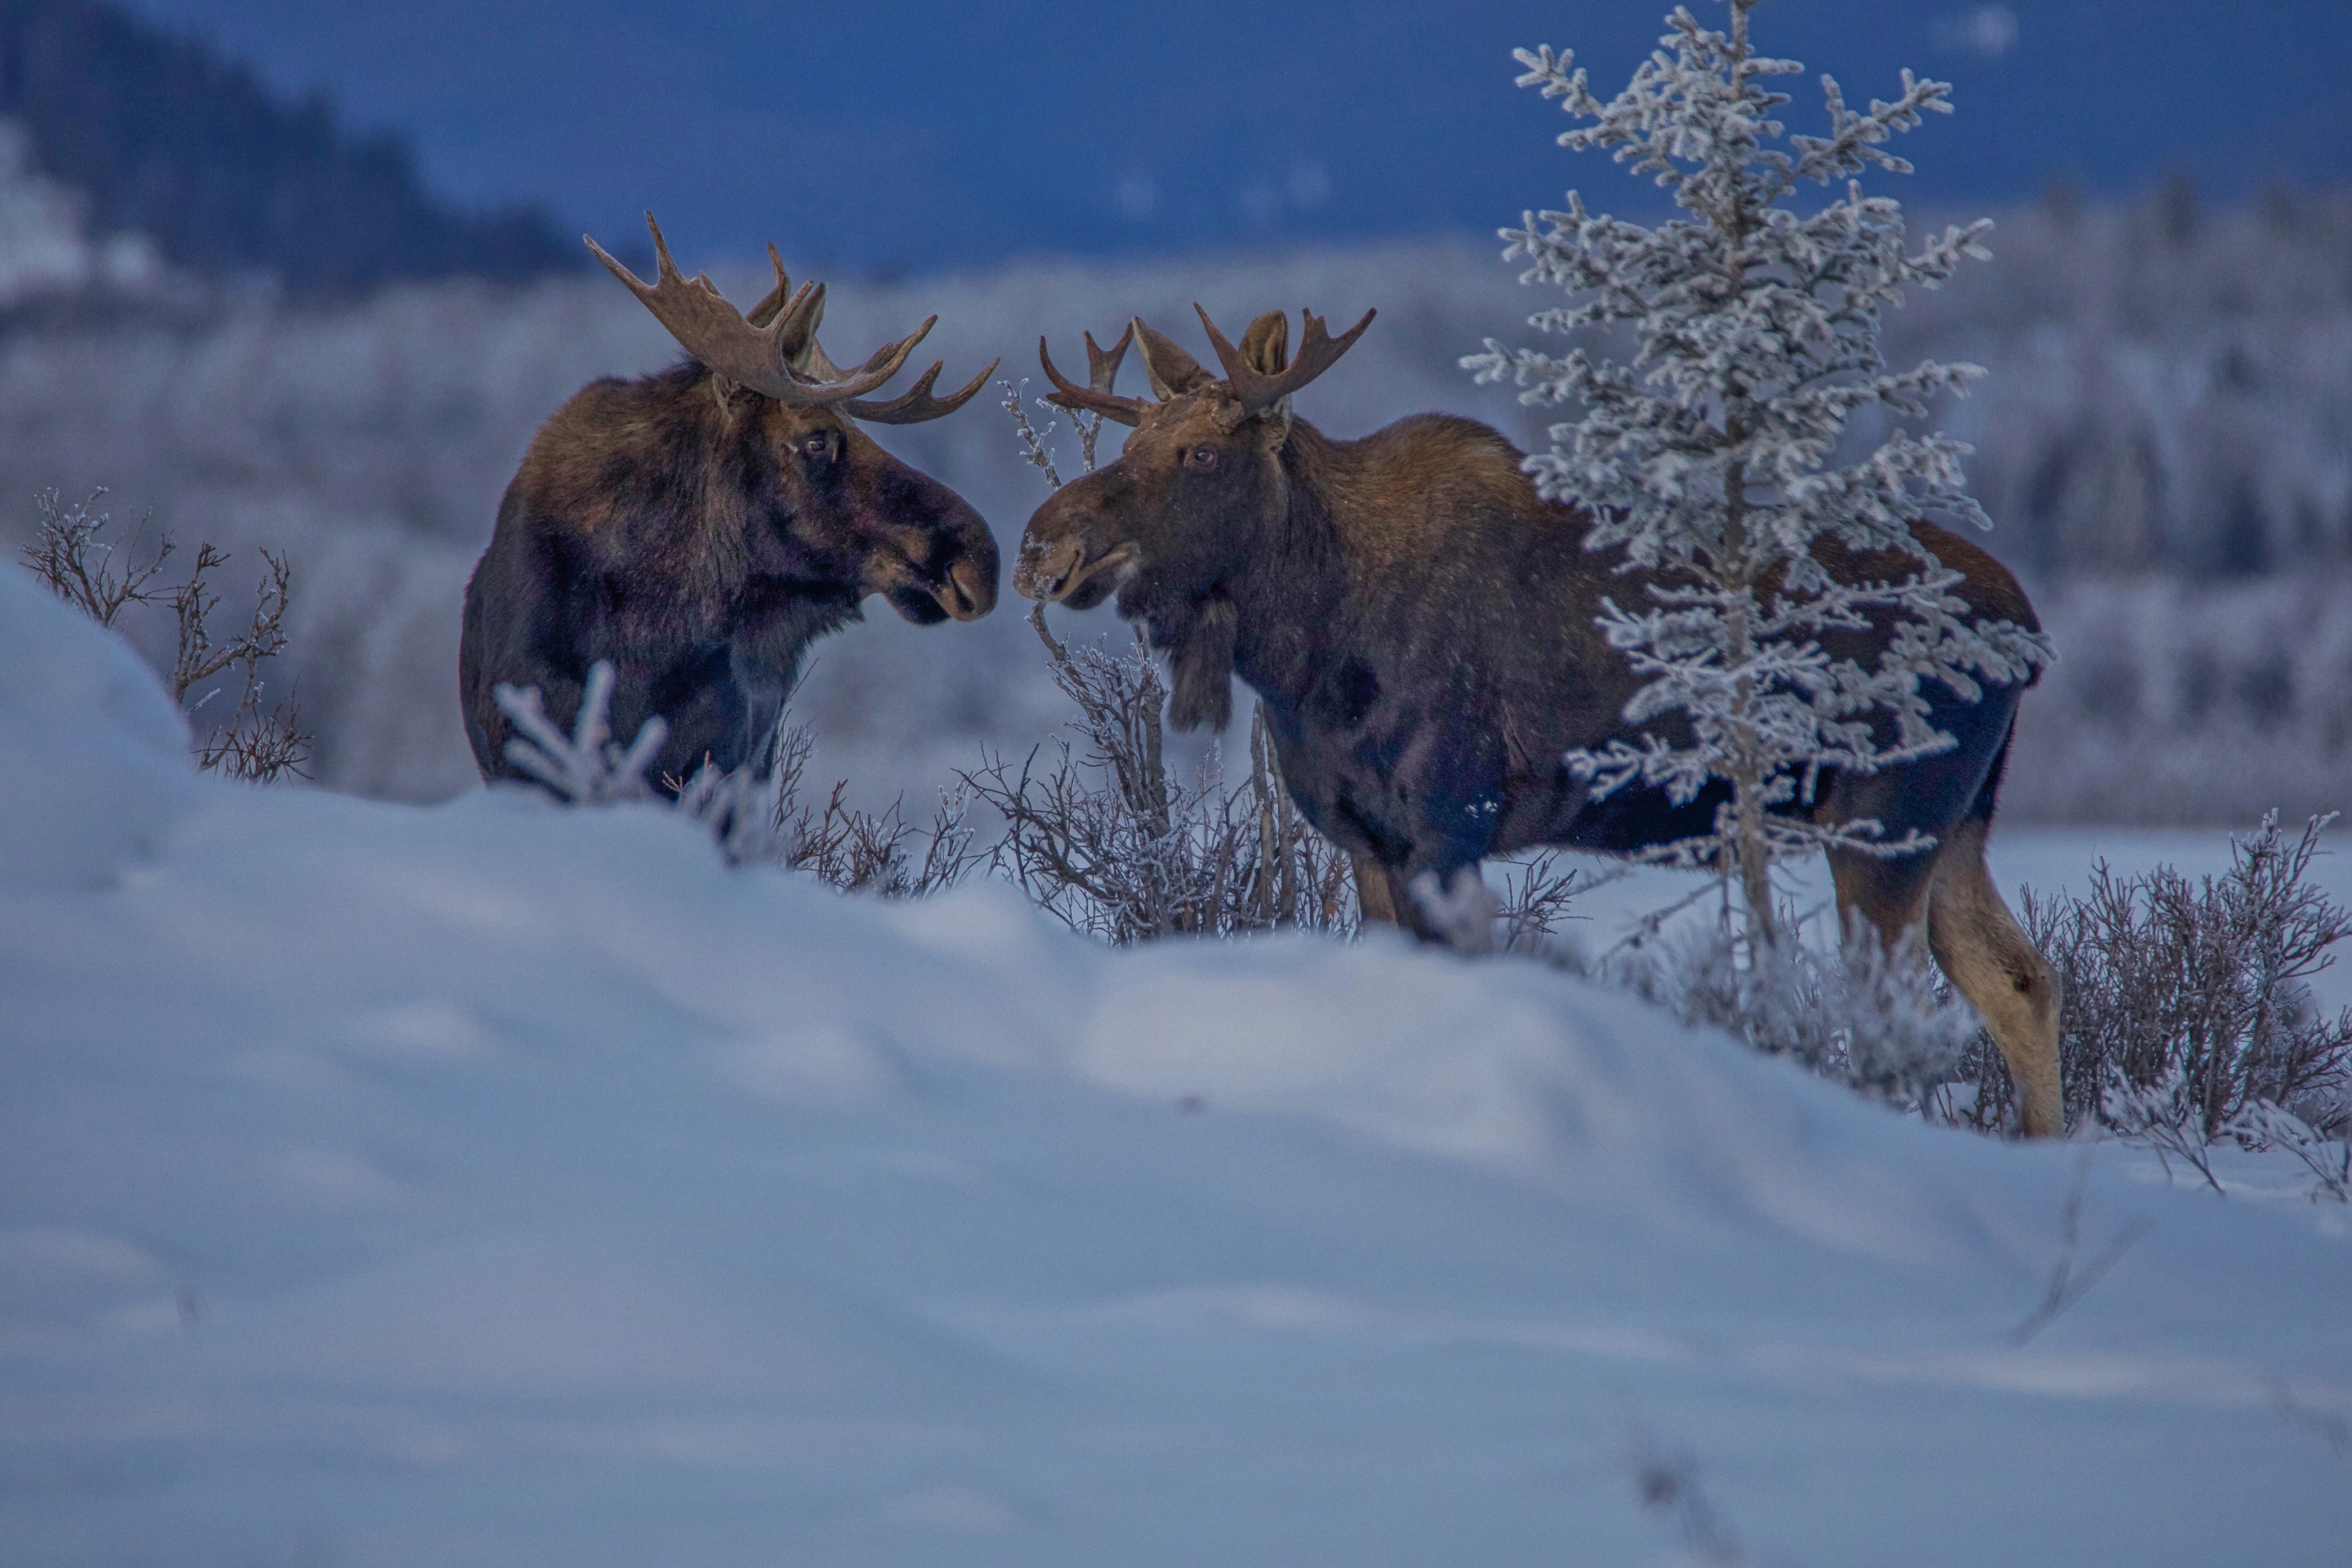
(806, 357)
(715, 332)
(1102, 372)
(765, 312)
(916, 404)
(1258, 391)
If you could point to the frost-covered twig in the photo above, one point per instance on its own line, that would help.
(2262, 1125)
(1033, 451)
(754, 814)
(1535, 898)
(82, 568)
(257, 746)
(2161, 1117)
(586, 767)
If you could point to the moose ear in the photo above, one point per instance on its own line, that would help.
(799, 344)
(1172, 371)
(1265, 347)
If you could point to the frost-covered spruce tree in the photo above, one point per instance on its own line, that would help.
(1708, 457)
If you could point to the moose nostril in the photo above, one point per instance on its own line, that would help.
(1042, 568)
(972, 589)
(1052, 564)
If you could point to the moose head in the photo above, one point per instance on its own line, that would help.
(1199, 482)
(858, 515)
(697, 528)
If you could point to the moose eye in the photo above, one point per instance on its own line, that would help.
(1200, 457)
(817, 446)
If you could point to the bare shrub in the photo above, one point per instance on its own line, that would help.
(84, 569)
(756, 817)
(2326, 1154)
(765, 819)
(1109, 841)
(2188, 1003)
(1535, 898)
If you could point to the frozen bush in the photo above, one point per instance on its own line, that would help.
(1855, 1012)
(1110, 840)
(103, 579)
(2188, 1004)
(756, 816)
(762, 817)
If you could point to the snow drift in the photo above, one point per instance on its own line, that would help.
(497, 1184)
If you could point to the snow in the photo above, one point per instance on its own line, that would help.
(494, 1184)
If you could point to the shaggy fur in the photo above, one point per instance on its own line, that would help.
(699, 537)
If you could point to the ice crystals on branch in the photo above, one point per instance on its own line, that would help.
(586, 767)
(754, 814)
(1708, 457)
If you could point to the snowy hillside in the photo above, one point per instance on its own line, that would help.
(494, 1184)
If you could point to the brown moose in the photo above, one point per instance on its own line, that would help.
(699, 527)
(1419, 625)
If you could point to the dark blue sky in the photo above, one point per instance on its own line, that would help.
(896, 134)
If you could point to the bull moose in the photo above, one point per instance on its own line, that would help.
(699, 527)
(1419, 625)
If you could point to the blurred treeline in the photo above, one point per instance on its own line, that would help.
(164, 139)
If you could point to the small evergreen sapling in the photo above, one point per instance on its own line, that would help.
(1708, 457)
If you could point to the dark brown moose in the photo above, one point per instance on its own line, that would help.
(1419, 625)
(698, 528)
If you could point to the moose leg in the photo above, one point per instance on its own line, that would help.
(1889, 894)
(1989, 959)
(1375, 894)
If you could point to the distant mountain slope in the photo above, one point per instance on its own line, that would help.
(168, 140)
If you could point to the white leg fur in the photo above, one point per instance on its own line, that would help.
(1985, 953)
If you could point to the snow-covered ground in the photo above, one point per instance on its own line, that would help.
(491, 1183)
